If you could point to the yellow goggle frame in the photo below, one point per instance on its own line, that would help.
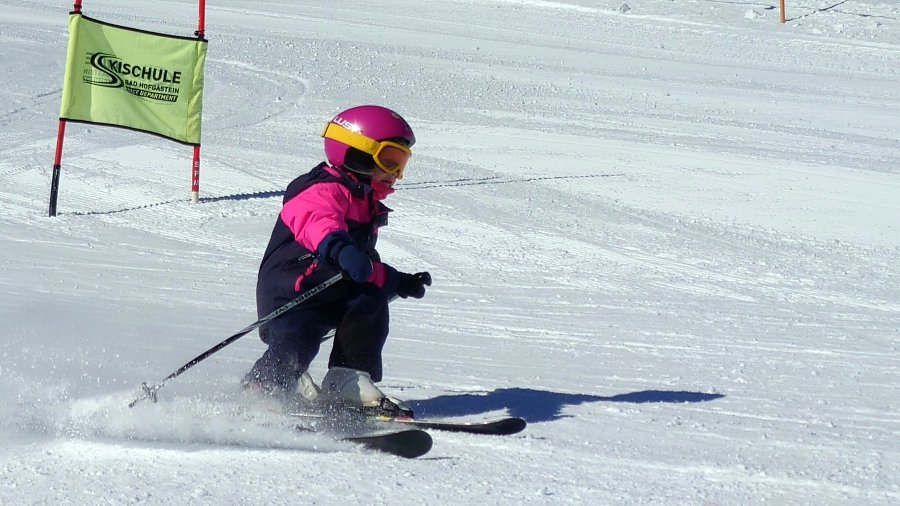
(389, 156)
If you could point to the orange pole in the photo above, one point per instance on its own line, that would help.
(782, 10)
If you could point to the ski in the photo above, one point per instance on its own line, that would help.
(409, 443)
(406, 442)
(499, 427)
(495, 427)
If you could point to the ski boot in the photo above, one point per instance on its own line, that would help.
(355, 390)
(303, 393)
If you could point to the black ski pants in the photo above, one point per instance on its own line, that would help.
(360, 319)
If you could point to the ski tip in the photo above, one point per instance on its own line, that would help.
(408, 444)
(515, 425)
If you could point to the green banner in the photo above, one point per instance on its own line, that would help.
(134, 79)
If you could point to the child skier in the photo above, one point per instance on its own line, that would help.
(329, 224)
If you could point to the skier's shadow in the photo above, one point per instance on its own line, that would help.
(540, 405)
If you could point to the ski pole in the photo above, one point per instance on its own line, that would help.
(150, 390)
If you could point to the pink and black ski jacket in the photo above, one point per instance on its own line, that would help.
(323, 201)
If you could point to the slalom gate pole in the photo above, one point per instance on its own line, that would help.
(150, 390)
(57, 159)
(195, 161)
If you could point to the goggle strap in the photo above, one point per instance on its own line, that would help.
(350, 138)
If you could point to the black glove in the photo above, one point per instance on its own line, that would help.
(412, 285)
(339, 249)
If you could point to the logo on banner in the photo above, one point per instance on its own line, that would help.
(152, 83)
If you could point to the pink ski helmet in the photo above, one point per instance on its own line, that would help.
(372, 121)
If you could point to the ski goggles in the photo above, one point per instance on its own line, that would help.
(389, 156)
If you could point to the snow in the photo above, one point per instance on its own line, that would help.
(665, 233)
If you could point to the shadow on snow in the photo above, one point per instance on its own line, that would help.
(495, 180)
(540, 405)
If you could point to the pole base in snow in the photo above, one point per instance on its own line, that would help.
(149, 391)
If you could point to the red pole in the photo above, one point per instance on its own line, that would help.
(195, 164)
(57, 158)
(195, 176)
(60, 133)
(201, 22)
